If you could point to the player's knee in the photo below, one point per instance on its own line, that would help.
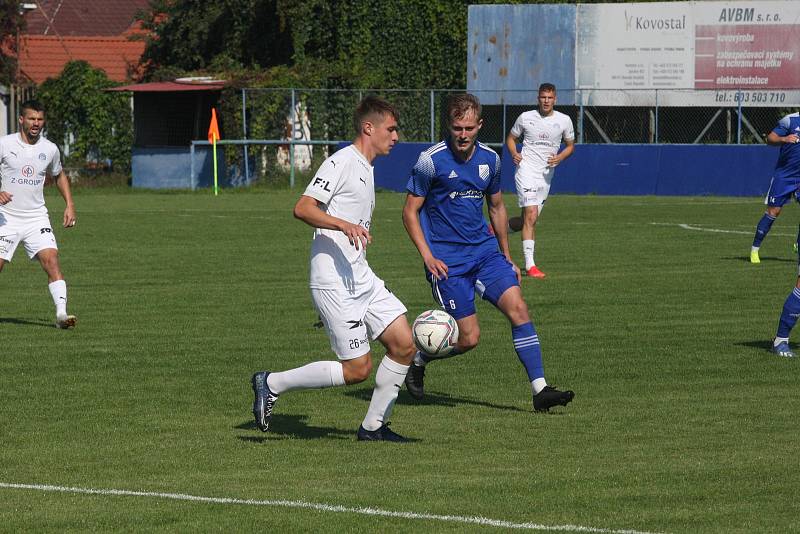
(774, 211)
(355, 374)
(405, 352)
(518, 313)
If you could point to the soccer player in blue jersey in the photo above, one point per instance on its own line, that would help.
(785, 180)
(787, 136)
(443, 215)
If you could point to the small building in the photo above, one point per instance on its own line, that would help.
(167, 117)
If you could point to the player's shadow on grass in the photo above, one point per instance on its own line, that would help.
(766, 345)
(432, 399)
(746, 259)
(293, 426)
(14, 320)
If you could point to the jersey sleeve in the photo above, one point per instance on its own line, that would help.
(783, 128)
(569, 130)
(55, 167)
(325, 181)
(419, 183)
(494, 183)
(516, 130)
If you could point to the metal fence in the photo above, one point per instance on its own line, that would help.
(292, 130)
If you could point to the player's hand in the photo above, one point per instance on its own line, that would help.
(793, 138)
(69, 217)
(358, 235)
(552, 161)
(436, 267)
(517, 158)
(517, 272)
(5, 198)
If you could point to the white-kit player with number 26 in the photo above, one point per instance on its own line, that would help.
(353, 303)
(26, 159)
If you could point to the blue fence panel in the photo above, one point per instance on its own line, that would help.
(627, 169)
(170, 168)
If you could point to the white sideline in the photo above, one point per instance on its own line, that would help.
(715, 230)
(323, 508)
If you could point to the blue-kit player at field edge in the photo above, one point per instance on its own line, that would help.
(443, 216)
(785, 181)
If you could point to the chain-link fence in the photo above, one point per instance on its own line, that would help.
(282, 132)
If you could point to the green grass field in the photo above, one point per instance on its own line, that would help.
(683, 421)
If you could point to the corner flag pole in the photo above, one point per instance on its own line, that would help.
(213, 135)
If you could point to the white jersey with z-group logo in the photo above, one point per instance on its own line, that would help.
(542, 137)
(344, 183)
(23, 169)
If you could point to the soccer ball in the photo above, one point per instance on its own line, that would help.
(435, 333)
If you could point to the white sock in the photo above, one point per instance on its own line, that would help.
(778, 340)
(388, 381)
(538, 384)
(58, 290)
(316, 375)
(527, 250)
(754, 249)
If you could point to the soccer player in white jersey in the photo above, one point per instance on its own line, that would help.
(542, 131)
(352, 301)
(26, 159)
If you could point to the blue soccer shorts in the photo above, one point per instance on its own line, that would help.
(781, 191)
(490, 275)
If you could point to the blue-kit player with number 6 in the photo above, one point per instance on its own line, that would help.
(443, 216)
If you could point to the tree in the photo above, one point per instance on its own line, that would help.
(191, 35)
(344, 43)
(11, 22)
(95, 122)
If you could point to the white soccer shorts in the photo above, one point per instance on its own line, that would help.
(353, 320)
(532, 188)
(36, 235)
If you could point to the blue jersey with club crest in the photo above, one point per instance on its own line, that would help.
(452, 215)
(788, 165)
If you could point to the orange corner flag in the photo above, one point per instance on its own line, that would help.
(213, 128)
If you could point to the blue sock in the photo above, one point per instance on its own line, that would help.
(791, 311)
(762, 229)
(526, 343)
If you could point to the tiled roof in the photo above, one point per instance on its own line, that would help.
(171, 87)
(43, 56)
(83, 17)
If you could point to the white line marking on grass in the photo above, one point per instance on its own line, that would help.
(715, 230)
(323, 508)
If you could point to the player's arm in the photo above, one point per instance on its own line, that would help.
(775, 139)
(569, 148)
(511, 144)
(5, 196)
(62, 182)
(309, 211)
(411, 221)
(498, 216)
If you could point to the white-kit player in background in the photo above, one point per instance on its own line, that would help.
(26, 159)
(542, 131)
(352, 301)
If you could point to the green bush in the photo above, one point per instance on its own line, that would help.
(92, 125)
